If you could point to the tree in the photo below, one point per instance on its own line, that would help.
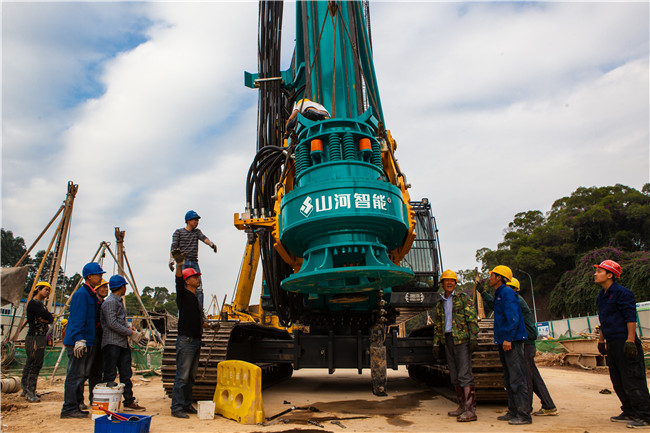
(548, 246)
(575, 294)
(13, 249)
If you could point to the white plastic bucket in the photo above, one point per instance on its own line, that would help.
(106, 397)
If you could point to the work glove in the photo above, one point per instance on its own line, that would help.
(136, 337)
(214, 247)
(602, 348)
(79, 348)
(473, 345)
(171, 264)
(178, 256)
(630, 349)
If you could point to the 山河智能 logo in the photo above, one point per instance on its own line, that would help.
(306, 207)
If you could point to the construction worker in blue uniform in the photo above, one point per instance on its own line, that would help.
(535, 382)
(619, 341)
(510, 334)
(79, 336)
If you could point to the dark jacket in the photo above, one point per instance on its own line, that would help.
(508, 319)
(616, 308)
(84, 317)
(189, 311)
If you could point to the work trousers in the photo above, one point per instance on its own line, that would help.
(35, 351)
(74, 381)
(118, 359)
(199, 290)
(534, 380)
(629, 379)
(459, 361)
(514, 378)
(187, 363)
(95, 367)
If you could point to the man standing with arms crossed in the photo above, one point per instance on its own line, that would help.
(79, 336)
(186, 239)
(188, 342)
(456, 328)
(618, 340)
(38, 319)
(510, 334)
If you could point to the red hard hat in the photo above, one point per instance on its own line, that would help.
(189, 272)
(610, 266)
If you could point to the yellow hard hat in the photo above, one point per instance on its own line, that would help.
(502, 270)
(448, 275)
(43, 283)
(514, 283)
(103, 283)
(64, 322)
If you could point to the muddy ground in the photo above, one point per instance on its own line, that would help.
(345, 397)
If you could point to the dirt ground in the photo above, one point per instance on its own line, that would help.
(345, 397)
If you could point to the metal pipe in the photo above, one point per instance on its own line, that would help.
(532, 293)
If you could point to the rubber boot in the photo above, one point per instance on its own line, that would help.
(470, 405)
(461, 402)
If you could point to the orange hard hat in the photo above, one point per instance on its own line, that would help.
(610, 266)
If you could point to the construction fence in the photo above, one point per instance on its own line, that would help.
(576, 326)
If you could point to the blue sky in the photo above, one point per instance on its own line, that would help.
(143, 106)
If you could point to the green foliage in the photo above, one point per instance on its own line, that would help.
(548, 247)
(576, 292)
(13, 249)
(154, 299)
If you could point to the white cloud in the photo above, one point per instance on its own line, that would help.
(143, 105)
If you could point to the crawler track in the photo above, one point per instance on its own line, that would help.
(214, 349)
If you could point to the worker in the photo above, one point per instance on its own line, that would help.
(510, 334)
(310, 109)
(38, 319)
(80, 335)
(188, 342)
(619, 341)
(187, 240)
(115, 344)
(456, 329)
(534, 380)
(95, 358)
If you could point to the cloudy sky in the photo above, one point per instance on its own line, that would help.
(497, 108)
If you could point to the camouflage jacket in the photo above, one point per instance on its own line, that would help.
(464, 323)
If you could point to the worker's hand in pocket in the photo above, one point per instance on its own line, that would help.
(79, 348)
(473, 345)
(630, 349)
(178, 256)
(214, 247)
(602, 348)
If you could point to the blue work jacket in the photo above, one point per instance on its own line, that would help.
(83, 317)
(616, 308)
(508, 319)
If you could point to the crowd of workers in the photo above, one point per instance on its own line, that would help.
(97, 334)
(515, 331)
(97, 338)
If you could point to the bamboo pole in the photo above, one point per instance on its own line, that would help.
(39, 236)
(63, 234)
(22, 322)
